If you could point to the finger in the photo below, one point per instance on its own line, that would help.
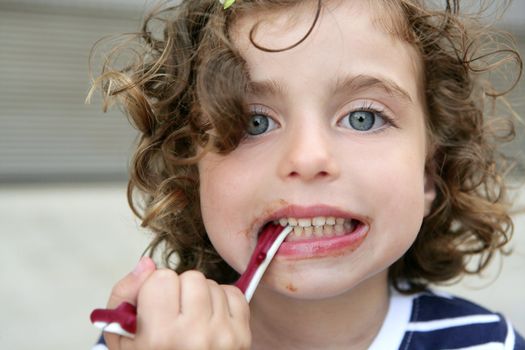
(125, 344)
(240, 316)
(119, 343)
(219, 301)
(158, 301)
(237, 303)
(127, 289)
(195, 295)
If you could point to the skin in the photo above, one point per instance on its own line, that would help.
(310, 156)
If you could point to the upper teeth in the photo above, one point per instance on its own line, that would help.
(318, 226)
(316, 221)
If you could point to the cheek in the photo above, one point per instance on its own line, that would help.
(403, 211)
(217, 185)
(221, 208)
(230, 184)
(396, 190)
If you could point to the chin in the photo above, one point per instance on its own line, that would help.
(318, 286)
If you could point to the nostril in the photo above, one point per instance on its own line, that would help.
(308, 168)
(319, 174)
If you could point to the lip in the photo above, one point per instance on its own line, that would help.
(316, 247)
(324, 246)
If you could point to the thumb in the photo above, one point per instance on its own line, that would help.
(127, 289)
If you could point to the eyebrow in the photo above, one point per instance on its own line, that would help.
(351, 83)
(363, 82)
(265, 88)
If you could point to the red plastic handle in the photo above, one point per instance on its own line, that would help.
(125, 314)
(265, 241)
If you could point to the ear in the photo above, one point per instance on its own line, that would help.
(429, 193)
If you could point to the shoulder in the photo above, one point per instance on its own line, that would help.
(432, 305)
(443, 321)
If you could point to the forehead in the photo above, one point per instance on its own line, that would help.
(346, 32)
(386, 15)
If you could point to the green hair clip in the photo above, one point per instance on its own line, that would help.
(226, 3)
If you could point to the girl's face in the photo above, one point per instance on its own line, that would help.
(336, 145)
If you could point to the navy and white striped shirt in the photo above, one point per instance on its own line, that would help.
(432, 320)
(438, 321)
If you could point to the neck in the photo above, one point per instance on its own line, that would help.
(347, 321)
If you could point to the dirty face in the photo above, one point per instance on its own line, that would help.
(335, 148)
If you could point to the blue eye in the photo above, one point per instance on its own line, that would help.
(363, 120)
(259, 124)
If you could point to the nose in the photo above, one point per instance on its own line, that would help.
(308, 154)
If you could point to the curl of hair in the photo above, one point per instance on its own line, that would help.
(185, 96)
(470, 215)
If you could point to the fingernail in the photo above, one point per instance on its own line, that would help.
(141, 266)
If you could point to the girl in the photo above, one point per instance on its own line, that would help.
(361, 124)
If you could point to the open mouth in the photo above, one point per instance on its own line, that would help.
(317, 227)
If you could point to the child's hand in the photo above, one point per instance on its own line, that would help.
(180, 312)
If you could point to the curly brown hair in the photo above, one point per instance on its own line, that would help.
(185, 94)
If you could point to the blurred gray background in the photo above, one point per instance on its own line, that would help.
(66, 232)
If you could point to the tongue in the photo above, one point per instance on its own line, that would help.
(266, 238)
